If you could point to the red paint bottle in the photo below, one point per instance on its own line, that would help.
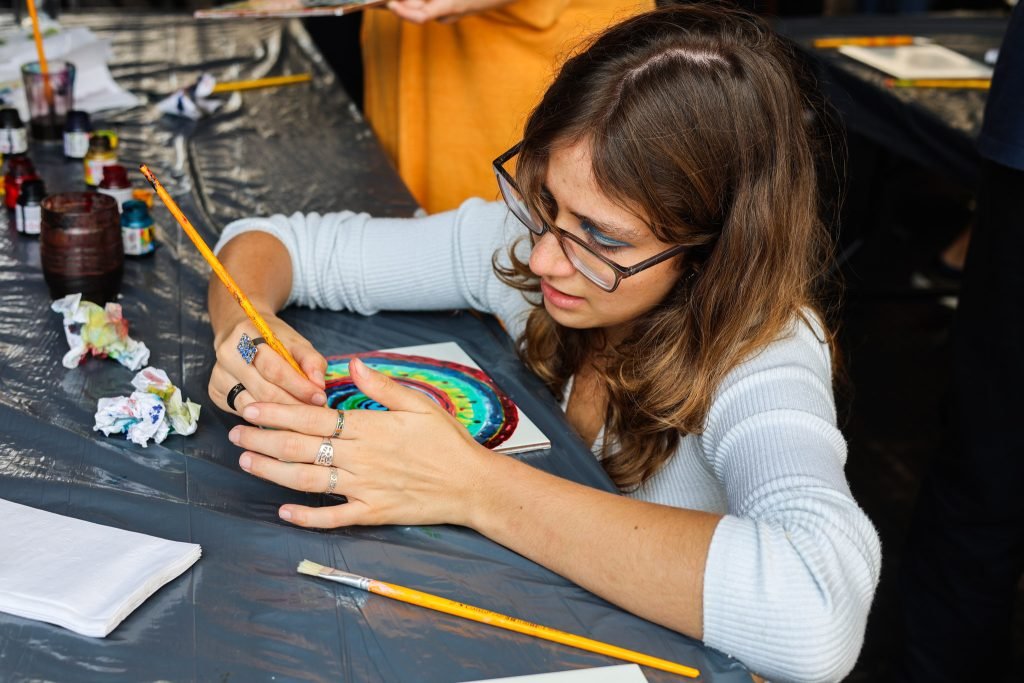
(19, 170)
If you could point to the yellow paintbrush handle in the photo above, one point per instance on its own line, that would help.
(219, 269)
(864, 41)
(268, 82)
(484, 616)
(950, 83)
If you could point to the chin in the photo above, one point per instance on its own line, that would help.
(577, 320)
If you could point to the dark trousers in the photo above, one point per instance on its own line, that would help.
(965, 553)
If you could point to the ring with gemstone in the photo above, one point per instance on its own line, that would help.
(247, 348)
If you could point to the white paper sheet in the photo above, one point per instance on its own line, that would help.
(85, 577)
(918, 61)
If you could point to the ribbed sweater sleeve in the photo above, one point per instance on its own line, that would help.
(349, 261)
(793, 566)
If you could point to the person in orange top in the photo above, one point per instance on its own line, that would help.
(449, 83)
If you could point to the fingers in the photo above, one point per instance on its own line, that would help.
(297, 476)
(386, 391)
(276, 370)
(312, 363)
(329, 517)
(422, 11)
(305, 419)
(256, 388)
(282, 445)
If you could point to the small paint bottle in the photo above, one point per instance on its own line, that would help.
(115, 183)
(137, 229)
(77, 129)
(19, 171)
(28, 214)
(13, 133)
(100, 154)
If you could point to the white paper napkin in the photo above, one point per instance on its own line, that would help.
(85, 577)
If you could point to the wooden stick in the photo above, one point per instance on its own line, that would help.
(269, 82)
(219, 269)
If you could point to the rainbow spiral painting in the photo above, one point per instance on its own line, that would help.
(465, 392)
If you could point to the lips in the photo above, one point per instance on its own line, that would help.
(559, 298)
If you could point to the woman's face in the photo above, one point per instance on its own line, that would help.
(579, 207)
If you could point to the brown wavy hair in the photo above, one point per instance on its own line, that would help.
(696, 122)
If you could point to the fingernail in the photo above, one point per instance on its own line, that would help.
(355, 365)
(245, 461)
(250, 412)
(285, 514)
(319, 398)
(235, 435)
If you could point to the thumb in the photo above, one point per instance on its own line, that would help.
(386, 391)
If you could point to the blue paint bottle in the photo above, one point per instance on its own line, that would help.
(137, 230)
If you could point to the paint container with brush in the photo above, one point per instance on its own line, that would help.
(49, 95)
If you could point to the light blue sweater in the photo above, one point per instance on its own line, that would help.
(794, 563)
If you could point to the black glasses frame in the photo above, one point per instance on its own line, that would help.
(621, 272)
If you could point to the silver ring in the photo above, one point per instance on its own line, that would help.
(340, 425)
(333, 481)
(325, 456)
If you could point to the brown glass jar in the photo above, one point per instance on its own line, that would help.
(80, 246)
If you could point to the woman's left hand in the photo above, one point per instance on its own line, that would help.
(414, 464)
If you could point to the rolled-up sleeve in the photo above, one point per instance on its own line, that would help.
(350, 261)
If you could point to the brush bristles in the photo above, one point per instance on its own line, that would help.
(311, 568)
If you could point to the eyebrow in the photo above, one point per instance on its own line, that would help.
(615, 232)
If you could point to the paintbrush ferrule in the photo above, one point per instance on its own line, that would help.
(347, 578)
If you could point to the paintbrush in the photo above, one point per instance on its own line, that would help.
(269, 82)
(43, 66)
(218, 268)
(458, 609)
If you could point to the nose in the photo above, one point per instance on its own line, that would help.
(547, 258)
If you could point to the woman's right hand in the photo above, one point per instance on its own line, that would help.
(269, 378)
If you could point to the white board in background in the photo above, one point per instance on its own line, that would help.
(626, 673)
(918, 61)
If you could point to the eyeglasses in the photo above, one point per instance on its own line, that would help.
(602, 272)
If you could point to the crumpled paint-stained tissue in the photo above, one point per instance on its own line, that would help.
(100, 331)
(153, 410)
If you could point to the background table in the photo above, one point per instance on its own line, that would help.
(936, 128)
(242, 613)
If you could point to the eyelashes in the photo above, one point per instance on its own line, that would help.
(594, 236)
(599, 238)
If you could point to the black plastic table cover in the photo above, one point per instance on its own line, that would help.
(242, 613)
(937, 128)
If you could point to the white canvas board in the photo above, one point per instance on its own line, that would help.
(526, 437)
(918, 61)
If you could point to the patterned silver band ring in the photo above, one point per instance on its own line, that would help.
(333, 481)
(340, 425)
